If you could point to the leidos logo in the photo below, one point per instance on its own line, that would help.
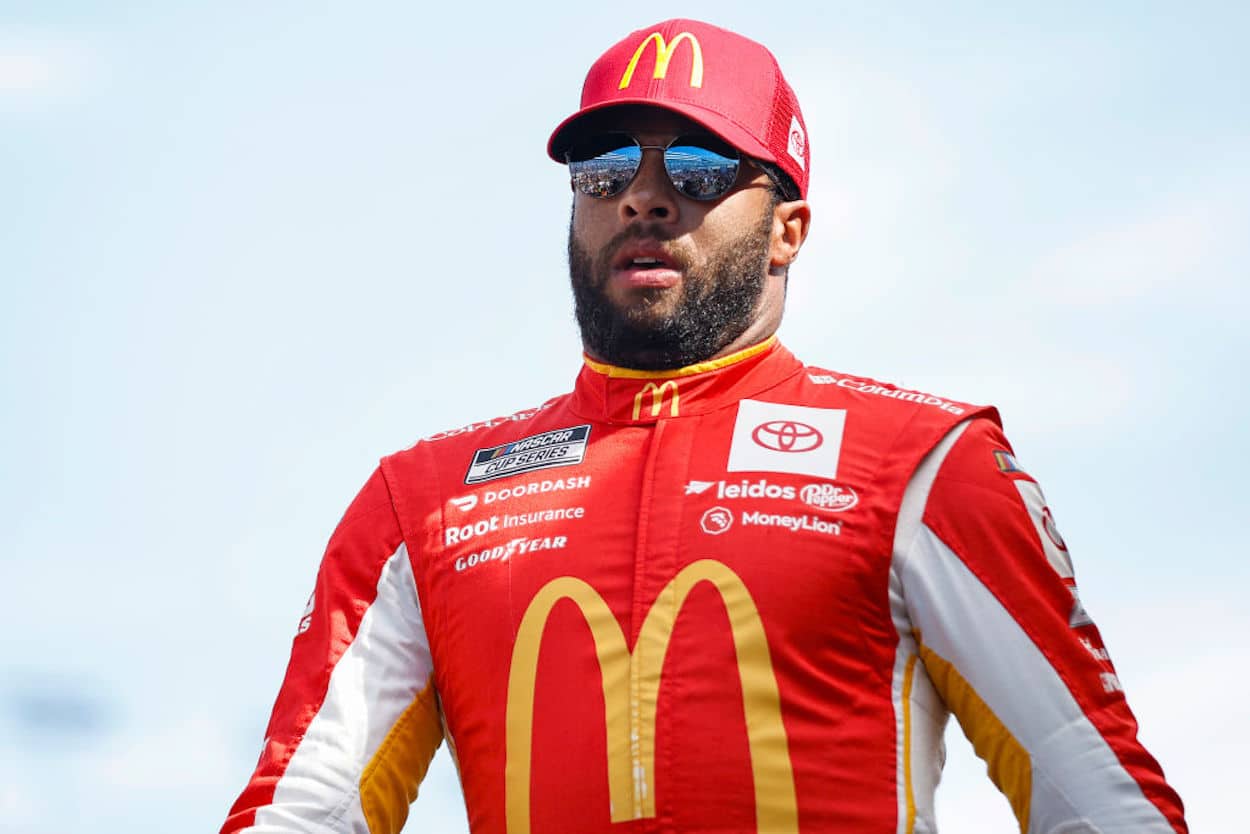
(657, 393)
(629, 711)
(664, 54)
(824, 496)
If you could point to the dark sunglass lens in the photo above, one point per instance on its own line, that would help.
(602, 166)
(589, 147)
(700, 170)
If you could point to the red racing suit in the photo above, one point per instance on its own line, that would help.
(741, 596)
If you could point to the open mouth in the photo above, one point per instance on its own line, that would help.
(644, 255)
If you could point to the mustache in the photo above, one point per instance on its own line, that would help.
(655, 232)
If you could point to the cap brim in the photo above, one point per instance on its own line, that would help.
(566, 133)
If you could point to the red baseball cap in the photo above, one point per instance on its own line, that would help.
(729, 84)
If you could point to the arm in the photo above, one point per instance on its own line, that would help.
(1002, 635)
(356, 721)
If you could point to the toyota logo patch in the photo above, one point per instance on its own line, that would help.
(783, 437)
(787, 436)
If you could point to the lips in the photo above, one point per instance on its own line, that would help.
(645, 264)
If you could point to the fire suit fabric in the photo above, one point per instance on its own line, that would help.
(342, 751)
(742, 596)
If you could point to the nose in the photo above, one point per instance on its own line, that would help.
(650, 196)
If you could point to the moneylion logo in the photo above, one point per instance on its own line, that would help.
(657, 393)
(716, 521)
(664, 54)
(631, 688)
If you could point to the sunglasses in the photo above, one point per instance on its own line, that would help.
(700, 167)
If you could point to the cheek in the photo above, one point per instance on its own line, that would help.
(591, 224)
(740, 218)
(588, 214)
(712, 237)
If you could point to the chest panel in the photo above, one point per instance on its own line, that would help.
(693, 601)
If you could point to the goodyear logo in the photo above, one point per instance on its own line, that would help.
(663, 54)
(562, 447)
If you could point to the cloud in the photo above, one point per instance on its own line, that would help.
(1183, 669)
(33, 63)
(20, 810)
(142, 761)
(29, 71)
(1188, 669)
(54, 711)
(168, 766)
(1168, 247)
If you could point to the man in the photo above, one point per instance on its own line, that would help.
(711, 589)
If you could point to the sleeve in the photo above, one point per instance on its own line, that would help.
(1002, 635)
(356, 721)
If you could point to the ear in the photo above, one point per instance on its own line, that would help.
(791, 220)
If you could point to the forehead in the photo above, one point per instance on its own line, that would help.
(640, 120)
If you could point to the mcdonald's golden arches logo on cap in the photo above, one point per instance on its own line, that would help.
(663, 54)
(631, 688)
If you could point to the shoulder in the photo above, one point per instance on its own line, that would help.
(977, 452)
(487, 431)
(496, 443)
(436, 469)
(982, 501)
(884, 396)
(485, 428)
(901, 422)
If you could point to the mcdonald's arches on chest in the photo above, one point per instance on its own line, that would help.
(690, 597)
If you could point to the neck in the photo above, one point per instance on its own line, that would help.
(722, 359)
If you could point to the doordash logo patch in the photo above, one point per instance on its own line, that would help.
(775, 437)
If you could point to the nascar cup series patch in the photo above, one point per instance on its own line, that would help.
(561, 447)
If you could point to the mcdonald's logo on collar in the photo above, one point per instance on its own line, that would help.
(630, 711)
(663, 54)
(657, 393)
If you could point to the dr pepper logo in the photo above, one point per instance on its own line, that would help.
(830, 497)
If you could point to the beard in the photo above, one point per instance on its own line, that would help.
(716, 302)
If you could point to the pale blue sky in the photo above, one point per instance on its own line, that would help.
(248, 248)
